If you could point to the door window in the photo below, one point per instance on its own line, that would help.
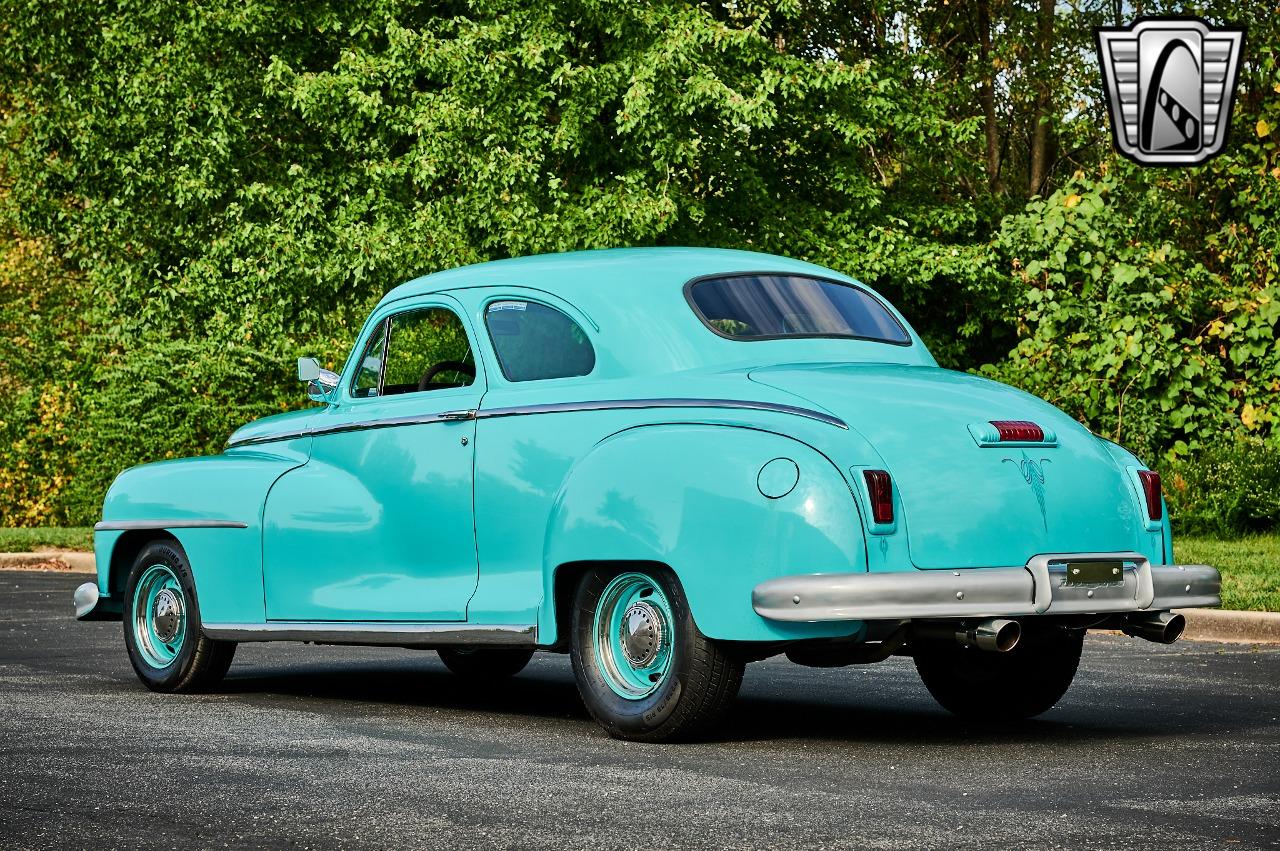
(413, 352)
(534, 341)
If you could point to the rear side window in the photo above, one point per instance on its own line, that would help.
(771, 307)
(534, 341)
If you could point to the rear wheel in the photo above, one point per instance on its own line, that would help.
(980, 684)
(644, 670)
(485, 664)
(162, 630)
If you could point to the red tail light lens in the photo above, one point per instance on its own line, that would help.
(1151, 490)
(1018, 431)
(880, 487)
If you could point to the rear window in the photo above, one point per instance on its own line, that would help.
(771, 307)
(534, 341)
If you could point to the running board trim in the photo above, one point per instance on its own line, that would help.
(393, 634)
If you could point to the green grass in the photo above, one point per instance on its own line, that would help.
(1250, 568)
(42, 538)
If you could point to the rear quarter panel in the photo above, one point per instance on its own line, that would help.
(650, 489)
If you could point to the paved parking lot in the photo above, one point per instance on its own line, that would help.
(329, 747)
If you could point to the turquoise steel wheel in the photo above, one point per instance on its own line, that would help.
(633, 625)
(162, 633)
(644, 670)
(159, 615)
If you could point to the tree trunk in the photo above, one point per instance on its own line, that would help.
(987, 94)
(1040, 133)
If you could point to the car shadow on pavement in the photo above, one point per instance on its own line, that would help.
(547, 691)
(532, 693)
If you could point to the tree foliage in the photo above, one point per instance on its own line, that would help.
(212, 189)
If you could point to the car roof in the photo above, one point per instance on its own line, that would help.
(636, 296)
(605, 271)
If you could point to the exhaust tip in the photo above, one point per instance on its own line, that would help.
(998, 635)
(1160, 627)
(1174, 627)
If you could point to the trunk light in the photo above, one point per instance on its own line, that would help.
(1018, 431)
(880, 488)
(1151, 489)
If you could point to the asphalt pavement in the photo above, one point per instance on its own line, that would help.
(335, 747)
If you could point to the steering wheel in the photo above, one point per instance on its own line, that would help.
(466, 369)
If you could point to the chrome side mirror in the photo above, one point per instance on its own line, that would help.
(320, 382)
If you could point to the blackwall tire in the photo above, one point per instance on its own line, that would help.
(983, 685)
(644, 670)
(162, 626)
(485, 663)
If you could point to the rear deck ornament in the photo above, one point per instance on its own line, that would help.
(1170, 84)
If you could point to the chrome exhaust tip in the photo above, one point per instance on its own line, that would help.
(1160, 627)
(998, 635)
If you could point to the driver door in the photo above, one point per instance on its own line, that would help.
(377, 525)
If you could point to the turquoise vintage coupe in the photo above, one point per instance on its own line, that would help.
(667, 463)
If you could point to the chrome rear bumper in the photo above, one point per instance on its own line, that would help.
(1038, 588)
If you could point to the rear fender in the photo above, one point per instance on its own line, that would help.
(688, 496)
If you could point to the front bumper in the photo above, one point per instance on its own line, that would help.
(1038, 588)
(93, 606)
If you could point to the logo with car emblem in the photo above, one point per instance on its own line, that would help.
(1169, 83)
(1033, 474)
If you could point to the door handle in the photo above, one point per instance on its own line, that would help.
(452, 416)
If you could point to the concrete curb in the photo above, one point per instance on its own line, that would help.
(1232, 626)
(49, 560)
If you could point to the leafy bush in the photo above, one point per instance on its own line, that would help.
(191, 195)
(1231, 489)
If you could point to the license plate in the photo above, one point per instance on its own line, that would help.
(1095, 573)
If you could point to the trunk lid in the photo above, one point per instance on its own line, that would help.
(965, 505)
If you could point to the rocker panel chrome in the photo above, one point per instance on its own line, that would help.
(985, 592)
(395, 634)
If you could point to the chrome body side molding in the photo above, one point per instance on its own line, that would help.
(166, 523)
(375, 633)
(643, 404)
(550, 408)
(1039, 588)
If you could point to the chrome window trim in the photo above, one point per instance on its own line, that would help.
(556, 408)
(166, 523)
(378, 633)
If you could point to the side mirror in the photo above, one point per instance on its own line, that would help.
(308, 369)
(320, 382)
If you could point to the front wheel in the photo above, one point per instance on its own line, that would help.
(162, 631)
(984, 685)
(644, 670)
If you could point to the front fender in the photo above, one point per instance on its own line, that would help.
(688, 496)
(174, 498)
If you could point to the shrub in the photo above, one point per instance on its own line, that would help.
(1225, 490)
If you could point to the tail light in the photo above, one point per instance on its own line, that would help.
(1018, 431)
(880, 488)
(1151, 490)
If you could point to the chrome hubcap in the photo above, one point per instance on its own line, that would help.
(159, 616)
(641, 634)
(166, 615)
(633, 635)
